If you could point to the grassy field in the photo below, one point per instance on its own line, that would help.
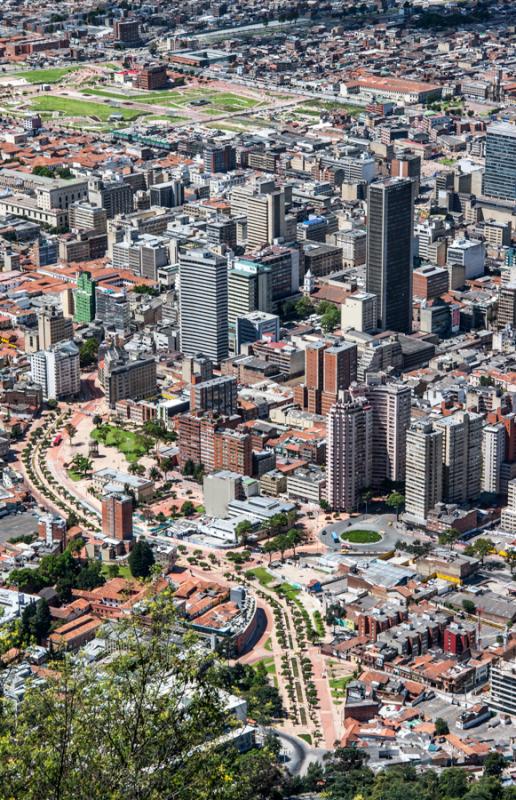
(123, 572)
(218, 101)
(268, 663)
(307, 737)
(288, 591)
(132, 445)
(360, 536)
(81, 108)
(74, 476)
(328, 105)
(268, 645)
(263, 576)
(338, 687)
(51, 75)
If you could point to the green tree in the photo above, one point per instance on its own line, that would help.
(88, 352)
(97, 420)
(242, 530)
(71, 431)
(125, 731)
(90, 576)
(330, 319)
(304, 307)
(449, 537)
(453, 783)
(441, 727)
(141, 559)
(365, 498)
(113, 570)
(469, 606)
(295, 536)
(494, 764)
(154, 474)
(269, 548)
(282, 544)
(136, 468)
(187, 508)
(395, 500)
(35, 622)
(482, 547)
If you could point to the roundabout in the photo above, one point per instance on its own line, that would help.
(363, 535)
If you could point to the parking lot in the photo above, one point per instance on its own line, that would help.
(17, 525)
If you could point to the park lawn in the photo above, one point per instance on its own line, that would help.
(288, 591)
(268, 663)
(306, 737)
(328, 105)
(51, 75)
(360, 536)
(74, 476)
(218, 101)
(132, 445)
(262, 575)
(123, 571)
(82, 108)
(338, 686)
(268, 645)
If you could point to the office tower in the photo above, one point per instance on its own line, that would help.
(196, 368)
(256, 326)
(462, 455)
(249, 289)
(219, 157)
(359, 312)
(218, 396)
(390, 214)
(493, 454)
(348, 453)
(430, 282)
(84, 298)
(390, 404)
(424, 470)
(203, 302)
(112, 309)
(354, 246)
(126, 377)
(285, 270)
(126, 31)
(53, 327)
(152, 77)
(470, 254)
(328, 370)
(507, 305)
(264, 208)
(500, 172)
(57, 371)
(221, 232)
(233, 450)
(340, 369)
(503, 687)
(85, 217)
(117, 516)
(167, 195)
(115, 197)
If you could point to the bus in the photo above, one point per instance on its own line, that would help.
(335, 537)
(58, 438)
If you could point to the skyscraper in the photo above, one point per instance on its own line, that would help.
(264, 207)
(328, 370)
(203, 302)
(390, 403)
(462, 455)
(390, 210)
(84, 298)
(500, 172)
(493, 454)
(348, 453)
(424, 473)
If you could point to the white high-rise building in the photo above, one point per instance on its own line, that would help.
(390, 403)
(493, 454)
(508, 519)
(348, 454)
(203, 303)
(424, 473)
(462, 455)
(57, 370)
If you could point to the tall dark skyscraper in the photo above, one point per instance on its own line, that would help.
(390, 223)
(500, 174)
